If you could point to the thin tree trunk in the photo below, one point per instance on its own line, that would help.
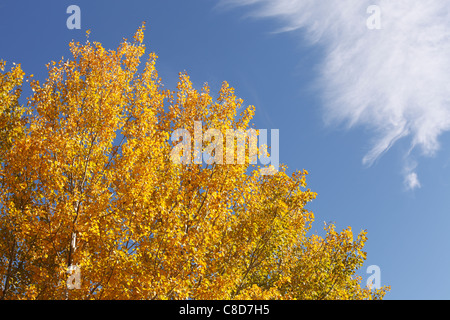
(8, 273)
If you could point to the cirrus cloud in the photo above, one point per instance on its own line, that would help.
(395, 80)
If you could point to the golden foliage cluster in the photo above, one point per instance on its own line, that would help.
(86, 180)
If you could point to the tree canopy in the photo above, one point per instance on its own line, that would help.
(87, 180)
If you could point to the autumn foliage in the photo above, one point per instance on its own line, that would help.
(87, 180)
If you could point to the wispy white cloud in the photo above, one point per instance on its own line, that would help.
(411, 181)
(395, 81)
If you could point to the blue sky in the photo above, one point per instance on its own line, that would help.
(309, 83)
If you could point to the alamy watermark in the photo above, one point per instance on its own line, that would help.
(374, 20)
(74, 278)
(213, 152)
(74, 20)
(374, 281)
